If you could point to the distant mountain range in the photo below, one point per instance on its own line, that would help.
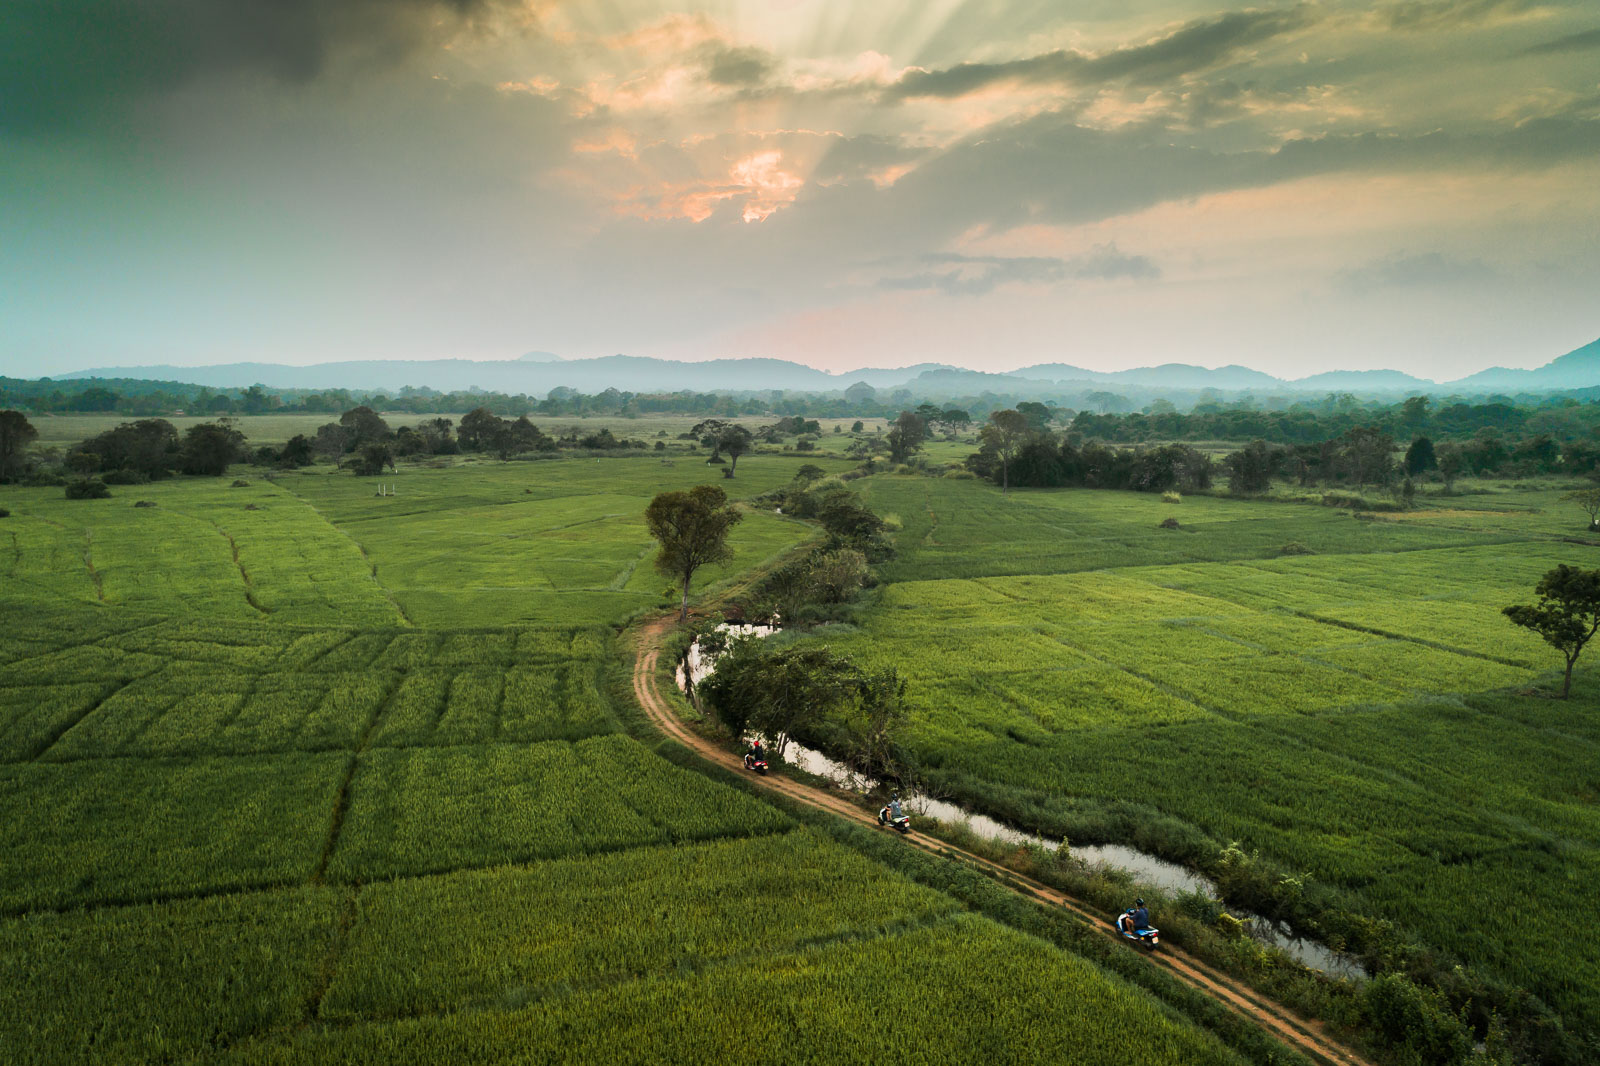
(536, 373)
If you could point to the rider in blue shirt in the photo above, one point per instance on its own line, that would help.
(1141, 916)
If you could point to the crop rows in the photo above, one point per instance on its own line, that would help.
(962, 990)
(952, 527)
(425, 810)
(128, 830)
(486, 937)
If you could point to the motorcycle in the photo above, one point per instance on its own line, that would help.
(902, 823)
(1149, 937)
(754, 763)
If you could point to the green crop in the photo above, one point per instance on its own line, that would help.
(1353, 715)
(961, 990)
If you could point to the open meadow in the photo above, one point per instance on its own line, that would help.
(1355, 708)
(291, 771)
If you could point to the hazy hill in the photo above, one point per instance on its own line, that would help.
(536, 373)
(1578, 369)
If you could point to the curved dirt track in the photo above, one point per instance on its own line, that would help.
(1307, 1037)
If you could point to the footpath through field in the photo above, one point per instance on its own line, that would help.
(1308, 1037)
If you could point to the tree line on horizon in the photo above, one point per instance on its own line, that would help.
(1112, 416)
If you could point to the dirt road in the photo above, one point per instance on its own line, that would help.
(1308, 1037)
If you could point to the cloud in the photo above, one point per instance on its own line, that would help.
(742, 67)
(1195, 46)
(1574, 42)
(1429, 269)
(69, 61)
(1433, 15)
(975, 275)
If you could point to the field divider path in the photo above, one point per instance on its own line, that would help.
(388, 593)
(1308, 1037)
(341, 799)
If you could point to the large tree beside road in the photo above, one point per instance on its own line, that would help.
(692, 528)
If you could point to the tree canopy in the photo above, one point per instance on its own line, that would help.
(692, 528)
(1567, 614)
(16, 433)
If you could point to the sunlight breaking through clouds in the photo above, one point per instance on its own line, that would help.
(724, 170)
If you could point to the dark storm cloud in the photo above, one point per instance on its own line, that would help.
(975, 275)
(1196, 46)
(1048, 170)
(66, 61)
(1577, 42)
(738, 67)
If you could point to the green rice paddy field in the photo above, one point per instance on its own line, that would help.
(290, 772)
(1361, 714)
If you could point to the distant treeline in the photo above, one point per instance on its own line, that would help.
(148, 449)
(145, 398)
(1018, 447)
(1101, 414)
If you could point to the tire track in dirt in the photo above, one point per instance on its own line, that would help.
(1307, 1037)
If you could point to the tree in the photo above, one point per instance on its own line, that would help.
(1588, 500)
(297, 452)
(778, 692)
(372, 458)
(477, 425)
(955, 418)
(330, 441)
(1567, 614)
(94, 399)
(735, 441)
(364, 425)
(1451, 463)
(1036, 414)
(692, 528)
(1005, 432)
(1250, 469)
(1419, 457)
(209, 447)
(906, 436)
(149, 446)
(860, 393)
(16, 433)
(1368, 455)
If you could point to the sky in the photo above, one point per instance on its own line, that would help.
(1295, 187)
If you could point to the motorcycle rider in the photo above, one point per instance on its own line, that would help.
(891, 814)
(756, 753)
(1141, 916)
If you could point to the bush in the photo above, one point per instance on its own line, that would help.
(125, 477)
(1171, 497)
(43, 480)
(1415, 1022)
(145, 503)
(1169, 523)
(1294, 547)
(240, 483)
(4, 513)
(89, 488)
